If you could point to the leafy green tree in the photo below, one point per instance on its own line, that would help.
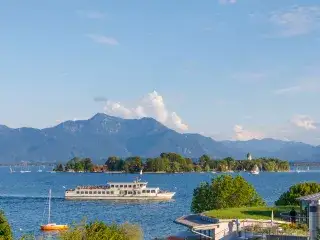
(133, 164)
(59, 168)
(198, 168)
(112, 163)
(87, 165)
(5, 229)
(225, 192)
(297, 190)
(207, 168)
(175, 167)
(204, 160)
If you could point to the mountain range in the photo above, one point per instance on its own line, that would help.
(103, 135)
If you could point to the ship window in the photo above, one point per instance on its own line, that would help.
(148, 191)
(95, 192)
(117, 186)
(125, 186)
(129, 186)
(77, 192)
(121, 186)
(153, 191)
(112, 185)
(141, 185)
(134, 186)
(103, 192)
(90, 192)
(99, 192)
(86, 192)
(111, 192)
(129, 192)
(82, 192)
(107, 192)
(143, 191)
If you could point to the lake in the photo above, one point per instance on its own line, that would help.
(23, 197)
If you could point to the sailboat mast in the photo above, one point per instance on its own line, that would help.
(49, 206)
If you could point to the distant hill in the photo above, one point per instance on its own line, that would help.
(103, 135)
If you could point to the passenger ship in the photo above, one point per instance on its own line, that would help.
(135, 190)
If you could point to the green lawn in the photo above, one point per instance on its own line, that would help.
(258, 213)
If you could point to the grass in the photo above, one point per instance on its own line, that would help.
(257, 213)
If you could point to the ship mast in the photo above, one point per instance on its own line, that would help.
(49, 206)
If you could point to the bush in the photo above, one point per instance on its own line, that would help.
(296, 191)
(101, 231)
(5, 229)
(225, 192)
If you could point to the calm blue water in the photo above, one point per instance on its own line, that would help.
(23, 198)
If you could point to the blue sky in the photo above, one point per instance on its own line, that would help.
(233, 69)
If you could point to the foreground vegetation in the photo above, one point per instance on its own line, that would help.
(224, 192)
(172, 162)
(83, 231)
(101, 231)
(257, 213)
(5, 229)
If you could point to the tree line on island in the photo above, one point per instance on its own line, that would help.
(173, 163)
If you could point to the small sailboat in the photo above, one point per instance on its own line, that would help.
(12, 170)
(25, 170)
(141, 172)
(255, 170)
(52, 226)
(39, 170)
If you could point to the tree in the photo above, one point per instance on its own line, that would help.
(204, 160)
(5, 229)
(88, 165)
(112, 163)
(59, 168)
(225, 192)
(133, 164)
(297, 190)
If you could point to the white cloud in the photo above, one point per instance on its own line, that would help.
(304, 121)
(152, 105)
(103, 39)
(242, 134)
(227, 1)
(288, 90)
(178, 122)
(117, 109)
(298, 20)
(309, 85)
(155, 103)
(91, 14)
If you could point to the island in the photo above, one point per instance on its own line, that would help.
(173, 163)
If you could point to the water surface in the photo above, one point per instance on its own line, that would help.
(23, 197)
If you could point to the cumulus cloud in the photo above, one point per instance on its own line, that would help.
(304, 121)
(298, 20)
(243, 134)
(178, 122)
(151, 105)
(103, 39)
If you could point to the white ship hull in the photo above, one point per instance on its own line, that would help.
(118, 191)
(163, 196)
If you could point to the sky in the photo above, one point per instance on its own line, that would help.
(228, 69)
